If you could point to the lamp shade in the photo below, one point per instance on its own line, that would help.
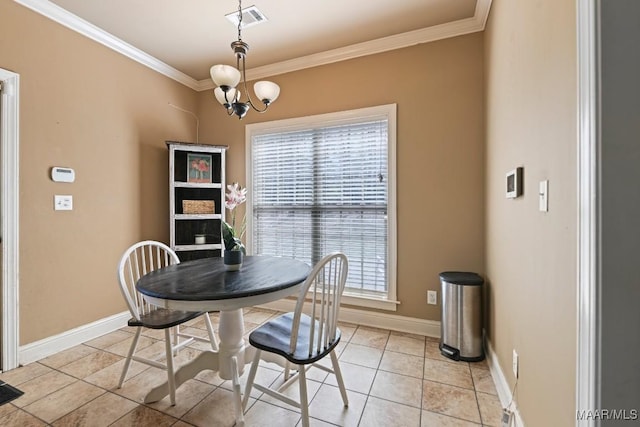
(225, 75)
(266, 90)
(231, 94)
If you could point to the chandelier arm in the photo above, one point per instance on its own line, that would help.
(244, 82)
(246, 90)
(261, 111)
(266, 106)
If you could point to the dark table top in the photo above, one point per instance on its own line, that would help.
(207, 280)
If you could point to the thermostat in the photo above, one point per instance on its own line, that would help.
(59, 174)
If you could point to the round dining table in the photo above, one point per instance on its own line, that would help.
(206, 285)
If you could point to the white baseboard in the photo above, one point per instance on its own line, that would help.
(502, 386)
(46, 347)
(429, 328)
(54, 344)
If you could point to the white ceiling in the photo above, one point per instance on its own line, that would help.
(192, 35)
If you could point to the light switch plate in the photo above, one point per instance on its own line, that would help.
(63, 203)
(544, 196)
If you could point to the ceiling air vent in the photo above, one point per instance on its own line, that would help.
(250, 16)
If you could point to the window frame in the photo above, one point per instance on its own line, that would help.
(388, 112)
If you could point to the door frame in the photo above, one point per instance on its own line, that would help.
(589, 194)
(9, 144)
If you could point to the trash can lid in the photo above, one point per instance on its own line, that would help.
(461, 278)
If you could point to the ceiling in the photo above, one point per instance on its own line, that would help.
(191, 35)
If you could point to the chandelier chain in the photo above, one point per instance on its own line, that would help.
(240, 20)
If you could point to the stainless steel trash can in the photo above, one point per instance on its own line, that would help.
(461, 324)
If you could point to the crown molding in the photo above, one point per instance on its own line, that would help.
(411, 38)
(73, 22)
(385, 44)
(425, 35)
(482, 12)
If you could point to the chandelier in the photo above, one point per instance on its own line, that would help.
(226, 78)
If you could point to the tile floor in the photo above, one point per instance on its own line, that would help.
(393, 379)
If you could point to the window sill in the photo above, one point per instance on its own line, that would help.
(369, 302)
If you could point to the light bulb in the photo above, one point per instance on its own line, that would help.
(225, 75)
(265, 90)
(231, 94)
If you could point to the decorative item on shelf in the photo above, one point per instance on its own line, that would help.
(199, 167)
(200, 239)
(198, 206)
(233, 247)
(227, 78)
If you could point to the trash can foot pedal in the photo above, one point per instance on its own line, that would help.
(450, 352)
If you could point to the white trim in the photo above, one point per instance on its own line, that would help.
(438, 32)
(502, 386)
(389, 112)
(75, 23)
(589, 280)
(10, 142)
(392, 206)
(412, 325)
(481, 13)
(57, 343)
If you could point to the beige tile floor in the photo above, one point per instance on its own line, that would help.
(392, 378)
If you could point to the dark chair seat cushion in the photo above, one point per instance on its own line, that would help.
(275, 337)
(163, 318)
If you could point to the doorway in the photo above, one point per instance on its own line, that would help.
(9, 210)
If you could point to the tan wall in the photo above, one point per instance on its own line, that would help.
(531, 256)
(89, 108)
(438, 88)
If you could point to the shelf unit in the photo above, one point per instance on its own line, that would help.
(199, 185)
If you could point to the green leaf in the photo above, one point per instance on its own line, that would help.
(231, 242)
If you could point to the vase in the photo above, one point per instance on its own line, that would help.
(232, 260)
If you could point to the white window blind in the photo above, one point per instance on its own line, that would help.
(322, 189)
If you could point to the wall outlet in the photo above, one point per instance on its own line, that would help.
(515, 363)
(507, 417)
(432, 297)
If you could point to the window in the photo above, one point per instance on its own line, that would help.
(327, 183)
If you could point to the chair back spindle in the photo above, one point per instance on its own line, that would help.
(319, 298)
(140, 259)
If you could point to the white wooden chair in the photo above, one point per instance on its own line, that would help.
(304, 336)
(140, 259)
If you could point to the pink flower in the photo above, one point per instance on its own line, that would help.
(235, 196)
(202, 165)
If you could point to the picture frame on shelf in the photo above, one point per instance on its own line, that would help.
(199, 168)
